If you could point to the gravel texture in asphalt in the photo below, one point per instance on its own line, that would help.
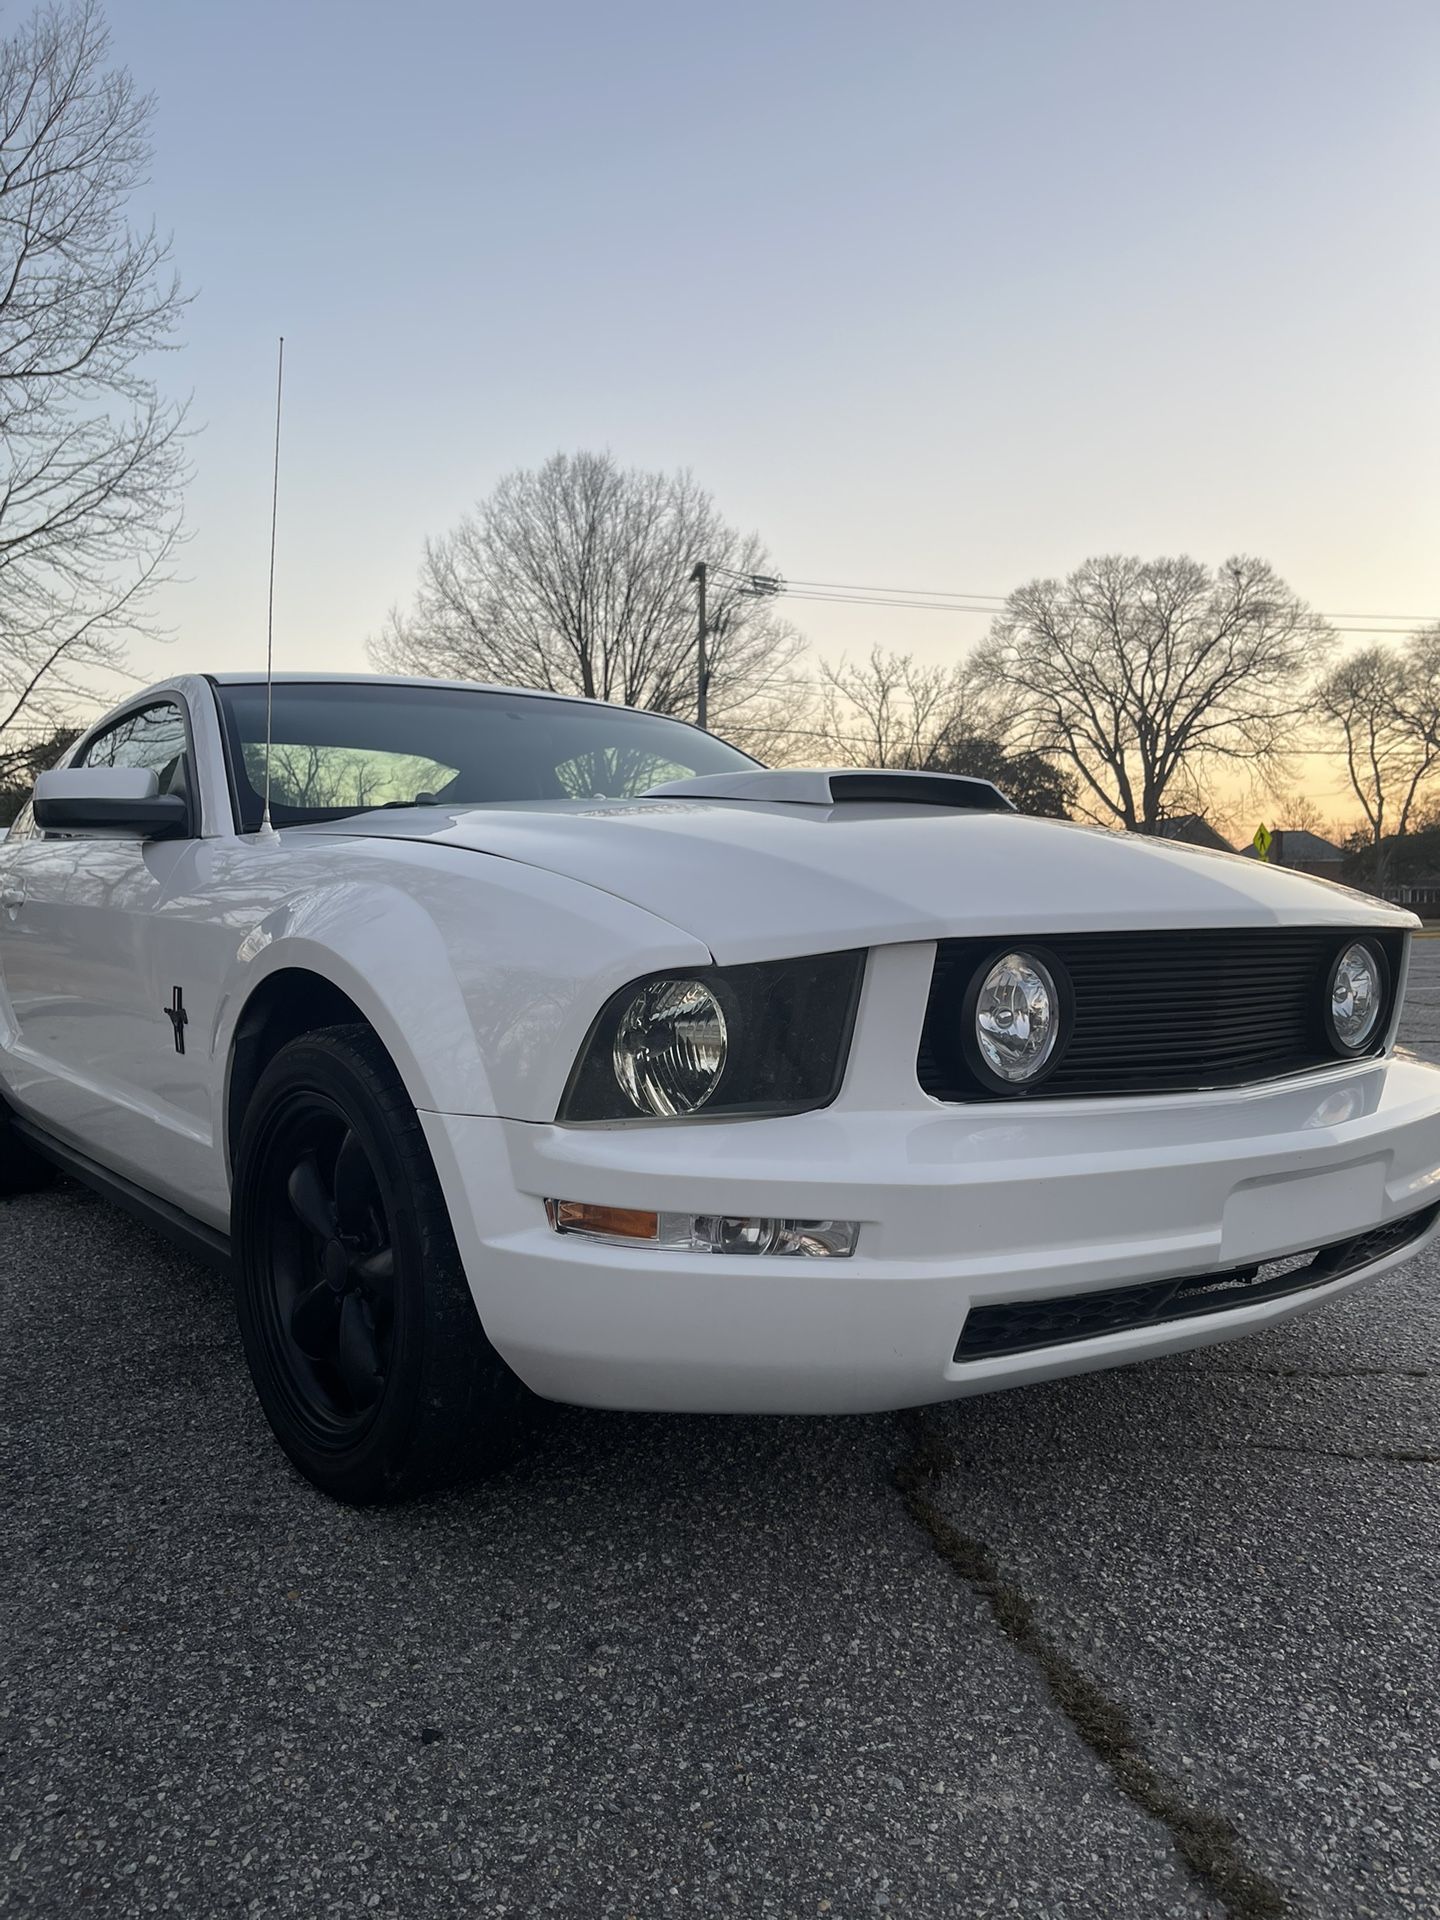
(674, 1666)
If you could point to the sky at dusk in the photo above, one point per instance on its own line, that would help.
(934, 295)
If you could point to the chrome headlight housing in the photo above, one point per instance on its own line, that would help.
(1357, 995)
(768, 1038)
(1015, 1019)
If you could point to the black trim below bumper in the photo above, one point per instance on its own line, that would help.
(1027, 1326)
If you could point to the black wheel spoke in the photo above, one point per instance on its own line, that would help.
(313, 1206)
(357, 1353)
(355, 1192)
(377, 1271)
(334, 1275)
(315, 1321)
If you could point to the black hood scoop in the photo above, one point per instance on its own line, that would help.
(819, 787)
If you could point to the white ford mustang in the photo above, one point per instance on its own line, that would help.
(544, 1041)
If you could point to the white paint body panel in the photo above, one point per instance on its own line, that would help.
(769, 880)
(480, 944)
(957, 1210)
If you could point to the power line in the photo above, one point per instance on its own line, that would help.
(1423, 618)
(938, 606)
(926, 593)
(943, 599)
(877, 600)
(825, 589)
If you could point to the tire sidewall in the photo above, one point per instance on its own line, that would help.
(373, 1464)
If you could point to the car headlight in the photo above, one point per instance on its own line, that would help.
(670, 1048)
(767, 1038)
(1014, 1021)
(1356, 997)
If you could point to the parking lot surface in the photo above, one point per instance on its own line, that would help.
(1155, 1642)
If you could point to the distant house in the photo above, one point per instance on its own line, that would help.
(1192, 830)
(1303, 852)
(1420, 891)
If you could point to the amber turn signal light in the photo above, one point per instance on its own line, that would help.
(613, 1223)
(705, 1232)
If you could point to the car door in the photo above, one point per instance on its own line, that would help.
(96, 1038)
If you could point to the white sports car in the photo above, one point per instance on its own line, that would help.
(546, 1042)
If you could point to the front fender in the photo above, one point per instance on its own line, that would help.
(480, 976)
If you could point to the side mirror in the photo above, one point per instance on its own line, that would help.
(116, 803)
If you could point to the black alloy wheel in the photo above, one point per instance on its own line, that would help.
(329, 1312)
(361, 1334)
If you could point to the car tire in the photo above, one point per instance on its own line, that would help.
(378, 1384)
(22, 1170)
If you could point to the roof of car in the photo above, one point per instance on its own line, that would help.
(255, 678)
(189, 682)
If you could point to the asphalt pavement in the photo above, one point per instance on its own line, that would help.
(1151, 1643)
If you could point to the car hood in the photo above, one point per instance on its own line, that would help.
(757, 879)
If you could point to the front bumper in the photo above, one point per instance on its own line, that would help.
(961, 1206)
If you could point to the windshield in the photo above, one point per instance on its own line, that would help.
(347, 747)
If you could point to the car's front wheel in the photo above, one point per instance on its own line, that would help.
(362, 1338)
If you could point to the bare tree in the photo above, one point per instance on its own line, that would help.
(889, 710)
(1383, 706)
(1417, 695)
(576, 577)
(1295, 812)
(1028, 780)
(1142, 675)
(92, 465)
(19, 769)
(892, 711)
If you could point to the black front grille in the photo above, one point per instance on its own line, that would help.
(1159, 1012)
(1021, 1326)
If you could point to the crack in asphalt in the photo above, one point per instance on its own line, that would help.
(1208, 1843)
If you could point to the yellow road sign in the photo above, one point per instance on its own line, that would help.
(1263, 841)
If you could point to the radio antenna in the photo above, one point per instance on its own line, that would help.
(265, 827)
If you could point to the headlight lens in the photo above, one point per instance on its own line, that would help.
(771, 1037)
(670, 1047)
(1357, 996)
(1017, 1019)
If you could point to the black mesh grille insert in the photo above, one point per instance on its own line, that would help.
(1160, 1012)
(1020, 1326)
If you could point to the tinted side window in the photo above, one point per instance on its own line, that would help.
(152, 737)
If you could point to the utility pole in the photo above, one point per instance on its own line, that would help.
(702, 664)
(753, 586)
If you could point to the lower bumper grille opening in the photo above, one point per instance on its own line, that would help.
(1021, 1326)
